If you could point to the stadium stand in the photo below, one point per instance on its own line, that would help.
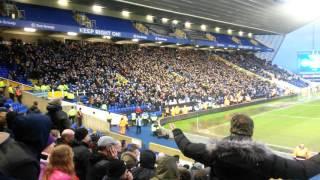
(185, 73)
(264, 68)
(196, 34)
(159, 29)
(36, 13)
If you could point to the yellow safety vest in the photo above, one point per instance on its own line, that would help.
(61, 87)
(10, 90)
(70, 96)
(2, 84)
(37, 88)
(43, 88)
(65, 87)
(72, 112)
(47, 87)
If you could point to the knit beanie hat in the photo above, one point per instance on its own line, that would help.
(80, 134)
(116, 168)
(242, 125)
(147, 159)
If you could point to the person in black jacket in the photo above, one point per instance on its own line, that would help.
(33, 130)
(34, 108)
(146, 170)
(99, 160)
(81, 152)
(16, 162)
(58, 117)
(238, 157)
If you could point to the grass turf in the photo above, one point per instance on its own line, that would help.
(286, 122)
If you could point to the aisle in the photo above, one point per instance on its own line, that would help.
(146, 136)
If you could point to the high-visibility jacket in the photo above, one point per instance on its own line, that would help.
(47, 88)
(123, 123)
(185, 110)
(72, 112)
(2, 84)
(10, 90)
(36, 88)
(65, 87)
(43, 88)
(70, 96)
(61, 87)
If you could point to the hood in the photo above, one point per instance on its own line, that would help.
(130, 159)
(143, 173)
(96, 157)
(167, 168)
(54, 108)
(243, 153)
(33, 130)
(147, 159)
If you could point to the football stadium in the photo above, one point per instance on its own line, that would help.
(159, 90)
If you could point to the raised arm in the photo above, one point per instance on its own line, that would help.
(195, 151)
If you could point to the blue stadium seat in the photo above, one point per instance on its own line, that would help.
(36, 13)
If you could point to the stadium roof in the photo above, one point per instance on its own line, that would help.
(258, 15)
(255, 16)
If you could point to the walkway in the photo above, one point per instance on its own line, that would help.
(146, 137)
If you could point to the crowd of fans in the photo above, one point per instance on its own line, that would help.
(264, 68)
(128, 74)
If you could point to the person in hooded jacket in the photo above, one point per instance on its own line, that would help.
(130, 157)
(33, 130)
(81, 152)
(166, 169)
(146, 170)
(58, 117)
(16, 161)
(99, 160)
(238, 157)
(117, 171)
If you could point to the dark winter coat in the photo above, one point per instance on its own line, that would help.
(232, 158)
(33, 130)
(97, 167)
(17, 162)
(81, 158)
(141, 173)
(58, 117)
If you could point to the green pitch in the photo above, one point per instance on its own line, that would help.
(282, 123)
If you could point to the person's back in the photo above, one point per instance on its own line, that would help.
(58, 117)
(81, 152)
(166, 169)
(146, 170)
(16, 161)
(33, 130)
(98, 163)
(238, 157)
